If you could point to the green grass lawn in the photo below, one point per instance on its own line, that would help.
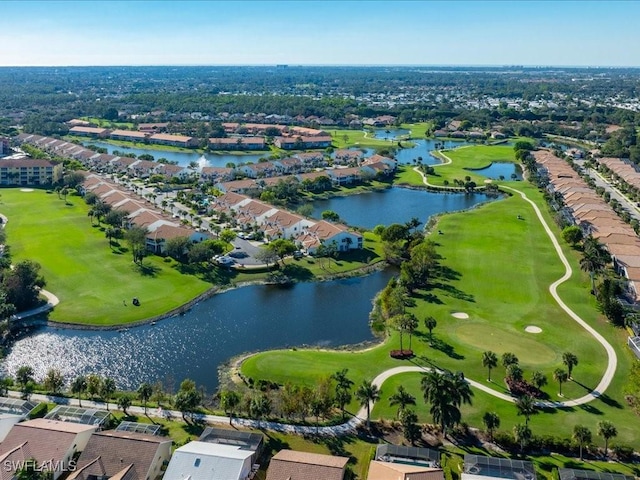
(467, 159)
(520, 262)
(90, 279)
(406, 175)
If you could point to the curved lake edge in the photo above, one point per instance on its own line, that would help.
(38, 321)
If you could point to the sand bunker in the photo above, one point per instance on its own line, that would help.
(533, 329)
(460, 315)
(488, 180)
(26, 189)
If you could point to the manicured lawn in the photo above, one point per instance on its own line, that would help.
(405, 175)
(467, 159)
(89, 278)
(516, 255)
(343, 138)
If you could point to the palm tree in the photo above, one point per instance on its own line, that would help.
(445, 392)
(526, 406)
(430, 323)
(108, 389)
(514, 372)
(411, 324)
(581, 435)
(78, 386)
(124, 402)
(606, 430)
(539, 379)
(570, 361)
(402, 398)
(560, 376)
(509, 358)
(343, 388)
(489, 361)
(229, 401)
(522, 435)
(491, 422)
(145, 390)
(367, 394)
(593, 265)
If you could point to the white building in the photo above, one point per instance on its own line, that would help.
(209, 461)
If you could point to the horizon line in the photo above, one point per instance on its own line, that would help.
(353, 65)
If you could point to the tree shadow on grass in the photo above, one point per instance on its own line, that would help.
(272, 445)
(428, 297)
(147, 269)
(454, 292)
(587, 407)
(297, 272)
(445, 348)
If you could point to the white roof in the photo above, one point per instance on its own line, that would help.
(206, 461)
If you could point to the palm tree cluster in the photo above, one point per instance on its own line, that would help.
(594, 259)
(446, 392)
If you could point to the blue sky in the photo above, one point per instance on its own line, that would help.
(94, 32)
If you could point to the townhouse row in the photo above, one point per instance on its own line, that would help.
(160, 228)
(288, 138)
(276, 223)
(585, 208)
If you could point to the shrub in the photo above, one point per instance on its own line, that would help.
(520, 388)
(623, 452)
(401, 354)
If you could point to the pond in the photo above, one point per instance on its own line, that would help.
(195, 344)
(184, 158)
(396, 205)
(423, 148)
(501, 169)
(388, 133)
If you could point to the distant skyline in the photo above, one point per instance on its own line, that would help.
(330, 32)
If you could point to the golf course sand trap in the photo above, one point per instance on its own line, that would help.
(488, 180)
(26, 189)
(533, 329)
(460, 315)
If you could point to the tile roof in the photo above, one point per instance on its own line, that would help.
(108, 453)
(293, 465)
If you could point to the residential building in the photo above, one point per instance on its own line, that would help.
(244, 440)
(324, 232)
(51, 443)
(237, 143)
(123, 455)
(173, 140)
(128, 135)
(292, 465)
(301, 143)
(397, 462)
(153, 127)
(96, 132)
(209, 461)
(28, 171)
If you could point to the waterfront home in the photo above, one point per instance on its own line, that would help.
(251, 442)
(283, 224)
(344, 176)
(216, 174)
(288, 165)
(237, 143)
(95, 132)
(292, 465)
(238, 186)
(48, 442)
(128, 135)
(207, 461)
(257, 170)
(324, 232)
(301, 143)
(173, 171)
(347, 157)
(122, 455)
(311, 159)
(307, 132)
(173, 140)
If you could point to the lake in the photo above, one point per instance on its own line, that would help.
(423, 148)
(396, 205)
(500, 169)
(194, 345)
(184, 158)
